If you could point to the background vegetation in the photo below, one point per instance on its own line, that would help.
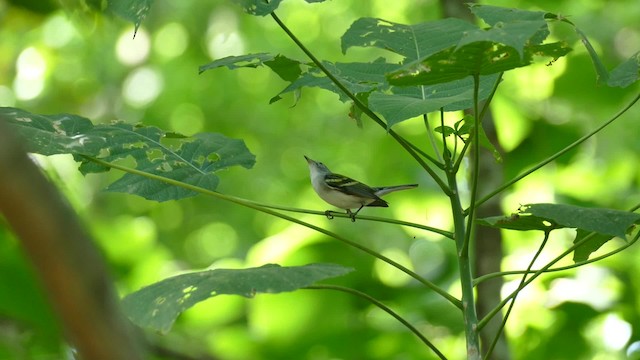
(67, 58)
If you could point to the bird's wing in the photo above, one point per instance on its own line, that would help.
(349, 186)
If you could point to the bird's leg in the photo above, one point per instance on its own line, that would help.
(353, 215)
(328, 214)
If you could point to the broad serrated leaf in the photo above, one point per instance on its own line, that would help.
(413, 42)
(157, 306)
(258, 7)
(132, 10)
(191, 160)
(626, 73)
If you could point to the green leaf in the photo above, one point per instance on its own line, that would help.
(157, 306)
(132, 10)
(411, 41)
(547, 217)
(409, 102)
(518, 222)
(493, 15)
(481, 58)
(602, 75)
(356, 77)
(589, 246)
(626, 73)
(258, 7)
(192, 160)
(234, 62)
(602, 221)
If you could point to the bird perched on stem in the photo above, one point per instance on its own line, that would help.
(346, 193)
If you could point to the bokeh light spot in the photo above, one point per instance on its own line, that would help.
(187, 119)
(130, 51)
(142, 87)
(29, 81)
(58, 31)
(171, 40)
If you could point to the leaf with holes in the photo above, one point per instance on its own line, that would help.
(157, 306)
(191, 160)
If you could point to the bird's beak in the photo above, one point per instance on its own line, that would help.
(309, 161)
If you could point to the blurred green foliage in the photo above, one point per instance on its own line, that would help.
(70, 59)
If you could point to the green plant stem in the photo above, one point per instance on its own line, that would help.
(475, 175)
(252, 205)
(558, 154)
(480, 279)
(464, 266)
(447, 234)
(403, 142)
(483, 112)
(384, 308)
(537, 273)
(513, 301)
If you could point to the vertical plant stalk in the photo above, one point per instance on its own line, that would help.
(464, 265)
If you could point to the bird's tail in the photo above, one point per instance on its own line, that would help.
(381, 191)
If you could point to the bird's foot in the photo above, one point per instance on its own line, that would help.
(328, 214)
(351, 215)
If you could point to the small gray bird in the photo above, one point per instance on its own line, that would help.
(346, 193)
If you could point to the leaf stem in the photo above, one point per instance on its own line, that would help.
(383, 307)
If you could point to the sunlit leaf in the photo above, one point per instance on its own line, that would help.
(411, 41)
(192, 160)
(481, 58)
(157, 306)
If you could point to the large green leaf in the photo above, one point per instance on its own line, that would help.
(600, 225)
(602, 221)
(157, 306)
(408, 102)
(480, 57)
(192, 160)
(413, 42)
(512, 40)
(547, 217)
